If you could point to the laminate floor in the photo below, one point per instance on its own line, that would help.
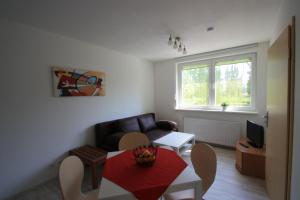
(229, 183)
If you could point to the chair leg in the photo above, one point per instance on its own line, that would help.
(94, 176)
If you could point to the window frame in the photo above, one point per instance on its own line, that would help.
(211, 62)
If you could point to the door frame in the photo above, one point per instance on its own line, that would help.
(290, 108)
(291, 95)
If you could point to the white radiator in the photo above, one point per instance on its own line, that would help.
(213, 131)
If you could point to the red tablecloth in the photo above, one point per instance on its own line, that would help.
(146, 183)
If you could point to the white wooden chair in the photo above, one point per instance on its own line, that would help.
(71, 173)
(204, 162)
(132, 140)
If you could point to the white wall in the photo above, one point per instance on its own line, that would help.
(292, 8)
(164, 78)
(37, 128)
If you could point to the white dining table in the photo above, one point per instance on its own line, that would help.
(187, 179)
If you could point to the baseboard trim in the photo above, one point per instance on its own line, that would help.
(217, 145)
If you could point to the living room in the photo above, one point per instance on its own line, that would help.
(129, 43)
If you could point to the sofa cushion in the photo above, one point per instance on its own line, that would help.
(128, 125)
(156, 133)
(147, 123)
(113, 139)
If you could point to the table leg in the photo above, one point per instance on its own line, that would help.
(94, 176)
(198, 191)
(193, 141)
(177, 150)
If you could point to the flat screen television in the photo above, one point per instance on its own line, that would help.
(255, 133)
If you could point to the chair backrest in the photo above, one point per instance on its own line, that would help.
(132, 140)
(204, 162)
(70, 177)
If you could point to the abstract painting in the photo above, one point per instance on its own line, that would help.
(74, 82)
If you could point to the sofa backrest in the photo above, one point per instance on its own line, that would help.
(129, 124)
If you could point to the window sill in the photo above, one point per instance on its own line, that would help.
(250, 112)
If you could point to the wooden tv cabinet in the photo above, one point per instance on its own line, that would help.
(250, 160)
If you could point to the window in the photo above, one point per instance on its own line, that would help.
(195, 85)
(209, 83)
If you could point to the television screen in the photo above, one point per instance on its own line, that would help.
(255, 133)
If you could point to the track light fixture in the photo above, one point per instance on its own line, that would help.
(177, 44)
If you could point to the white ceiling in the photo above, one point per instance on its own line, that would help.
(142, 27)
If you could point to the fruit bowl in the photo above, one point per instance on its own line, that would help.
(145, 156)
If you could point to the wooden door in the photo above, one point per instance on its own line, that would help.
(279, 106)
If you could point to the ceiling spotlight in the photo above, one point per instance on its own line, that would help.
(184, 51)
(180, 47)
(175, 44)
(170, 42)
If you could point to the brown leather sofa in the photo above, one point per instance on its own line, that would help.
(109, 133)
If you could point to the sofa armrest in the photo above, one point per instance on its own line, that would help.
(167, 125)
